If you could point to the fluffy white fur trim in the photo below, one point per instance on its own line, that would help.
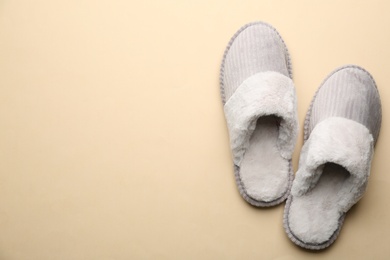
(341, 141)
(265, 93)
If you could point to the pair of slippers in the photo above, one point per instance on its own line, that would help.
(340, 130)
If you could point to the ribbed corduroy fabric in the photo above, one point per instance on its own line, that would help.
(246, 56)
(342, 94)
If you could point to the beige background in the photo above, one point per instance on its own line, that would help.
(113, 143)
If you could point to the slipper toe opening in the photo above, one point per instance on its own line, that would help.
(264, 172)
(314, 216)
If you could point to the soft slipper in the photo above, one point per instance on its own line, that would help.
(260, 109)
(341, 129)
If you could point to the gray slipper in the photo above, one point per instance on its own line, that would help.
(341, 129)
(260, 109)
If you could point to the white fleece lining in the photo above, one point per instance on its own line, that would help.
(263, 94)
(333, 172)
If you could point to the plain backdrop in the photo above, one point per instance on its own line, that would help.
(113, 142)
